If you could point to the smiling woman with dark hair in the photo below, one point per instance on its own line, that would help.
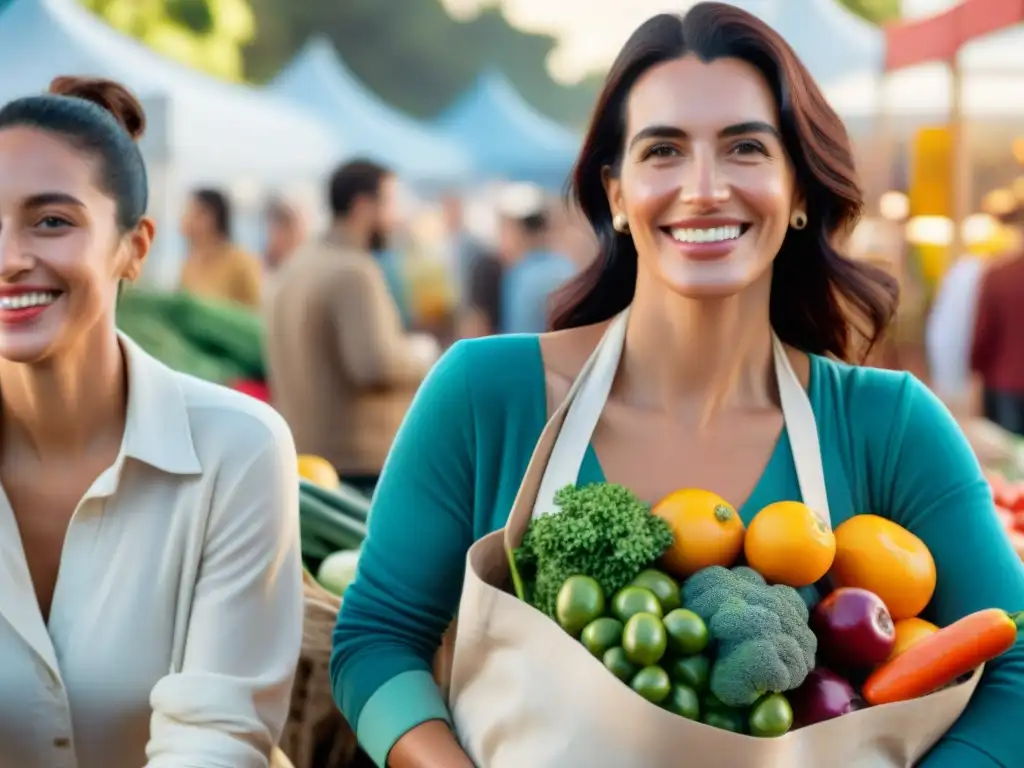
(151, 605)
(719, 183)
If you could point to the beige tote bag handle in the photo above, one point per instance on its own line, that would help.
(589, 393)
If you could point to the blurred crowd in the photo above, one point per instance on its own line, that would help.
(350, 332)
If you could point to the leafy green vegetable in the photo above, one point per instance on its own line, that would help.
(601, 530)
(761, 634)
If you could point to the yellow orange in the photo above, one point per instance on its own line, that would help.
(878, 555)
(318, 471)
(787, 543)
(707, 530)
(909, 632)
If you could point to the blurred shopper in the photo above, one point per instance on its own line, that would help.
(997, 353)
(152, 581)
(215, 267)
(342, 370)
(286, 230)
(481, 306)
(949, 331)
(532, 271)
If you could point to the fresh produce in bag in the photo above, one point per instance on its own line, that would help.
(823, 696)
(945, 656)
(854, 628)
(763, 641)
(878, 555)
(602, 530)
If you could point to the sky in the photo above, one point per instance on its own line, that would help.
(590, 32)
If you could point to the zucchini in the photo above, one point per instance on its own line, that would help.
(224, 329)
(315, 548)
(341, 530)
(346, 499)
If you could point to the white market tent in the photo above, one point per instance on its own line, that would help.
(993, 85)
(832, 42)
(201, 130)
(318, 80)
(846, 56)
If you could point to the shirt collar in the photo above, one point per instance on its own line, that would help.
(157, 431)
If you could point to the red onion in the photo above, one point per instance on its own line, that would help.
(854, 629)
(823, 696)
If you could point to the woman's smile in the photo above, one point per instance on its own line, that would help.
(706, 238)
(20, 305)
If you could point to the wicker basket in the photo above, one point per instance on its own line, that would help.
(316, 734)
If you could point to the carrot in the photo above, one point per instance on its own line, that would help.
(941, 658)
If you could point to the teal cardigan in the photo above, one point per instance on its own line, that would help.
(888, 447)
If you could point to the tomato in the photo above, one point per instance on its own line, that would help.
(1018, 521)
(630, 601)
(601, 634)
(644, 639)
(664, 587)
(616, 662)
(772, 716)
(687, 632)
(691, 672)
(683, 701)
(1006, 516)
(1003, 492)
(652, 683)
(727, 719)
(579, 602)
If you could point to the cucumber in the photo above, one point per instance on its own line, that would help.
(346, 499)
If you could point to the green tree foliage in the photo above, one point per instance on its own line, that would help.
(875, 11)
(413, 53)
(205, 34)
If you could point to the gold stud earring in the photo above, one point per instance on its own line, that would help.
(798, 220)
(620, 223)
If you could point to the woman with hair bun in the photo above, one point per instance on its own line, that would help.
(718, 181)
(151, 609)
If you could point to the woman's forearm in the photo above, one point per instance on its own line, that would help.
(429, 745)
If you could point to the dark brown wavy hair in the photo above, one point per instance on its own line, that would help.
(821, 302)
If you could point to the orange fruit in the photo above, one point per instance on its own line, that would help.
(318, 471)
(707, 530)
(878, 555)
(788, 544)
(909, 632)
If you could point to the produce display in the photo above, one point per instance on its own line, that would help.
(332, 523)
(1009, 499)
(755, 629)
(216, 341)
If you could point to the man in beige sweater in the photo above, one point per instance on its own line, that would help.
(342, 370)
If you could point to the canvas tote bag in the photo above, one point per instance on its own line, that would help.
(524, 694)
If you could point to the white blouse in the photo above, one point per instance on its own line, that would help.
(176, 621)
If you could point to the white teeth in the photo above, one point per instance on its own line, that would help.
(708, 235)
(26, 300)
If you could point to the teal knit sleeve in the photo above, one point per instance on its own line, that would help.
(935, 488)
(410, 573)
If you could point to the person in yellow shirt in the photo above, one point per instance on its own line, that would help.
(216, 267)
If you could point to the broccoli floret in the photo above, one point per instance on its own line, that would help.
(757, 667)
(760, 632)
(601, 530)
(737, 621)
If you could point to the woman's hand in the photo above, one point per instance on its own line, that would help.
(430, 745)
